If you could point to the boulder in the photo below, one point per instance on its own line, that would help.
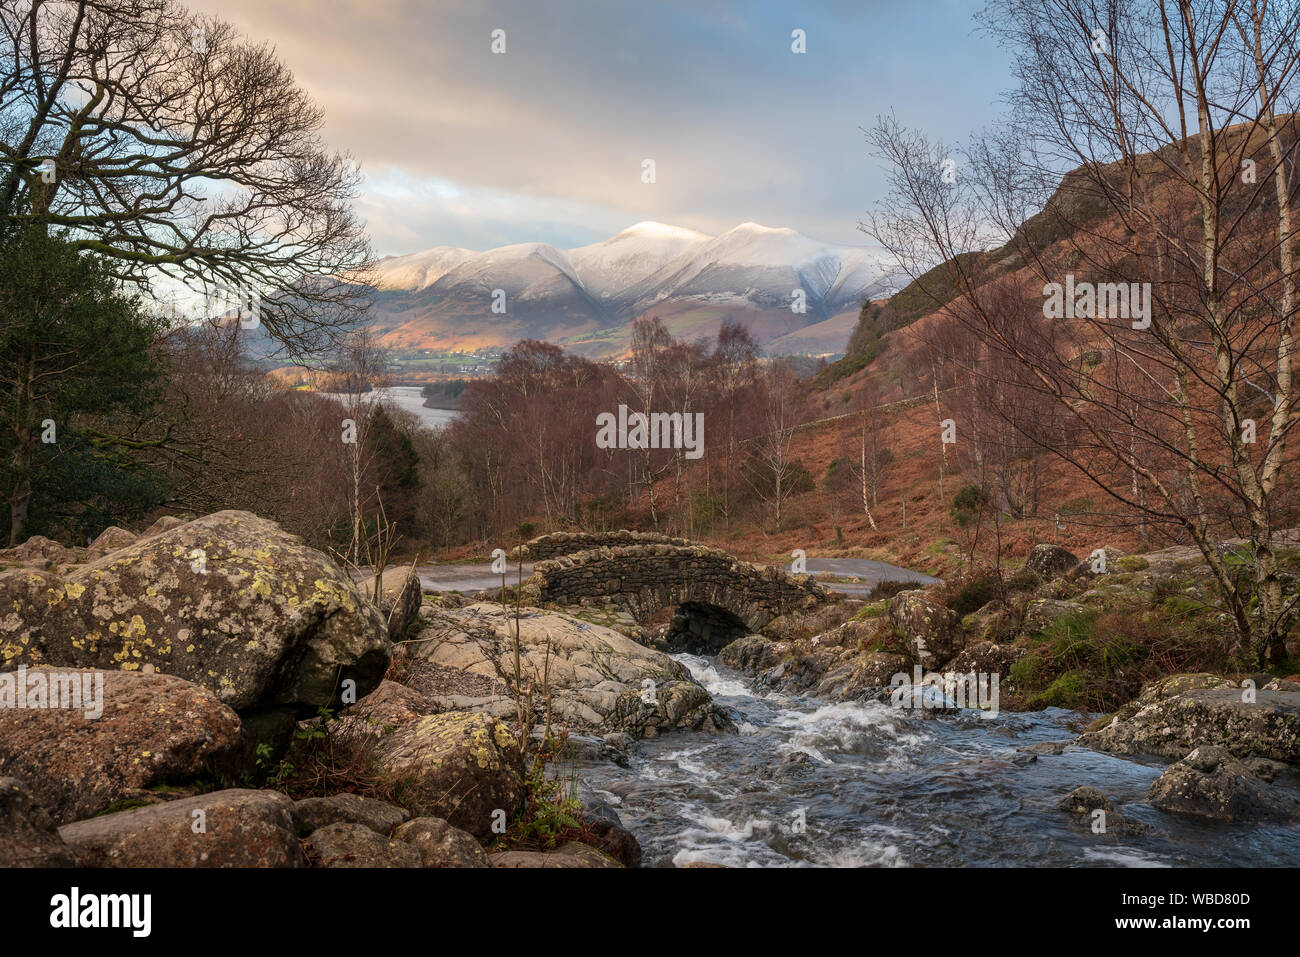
(228, 601)
(1050, 561)
(313, 813)
(932, 632)
(986, 658)
(109, 540)
(1042, 613)
(459, 766)
(617, 841)
(590, 672)
(667, 706)
(40, 552)
(154, 730)
(570, 855)
(753, 653)
(1174, 725)
(234, 828)
(1084, 802)
(27, 836)
(441, 845)
(1210, 783)
(348, 844)
(398, 599)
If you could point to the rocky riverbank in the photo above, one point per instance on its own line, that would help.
(216, 693)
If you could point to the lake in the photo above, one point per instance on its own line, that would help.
(409, 399)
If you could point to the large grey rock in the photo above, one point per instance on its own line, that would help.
(154, 730)
(932, 632)
(590, 672)
(1210, 783)
(27, 836)
(441, 845)
(354, 845)
(1174, 725)
(313, 813)
(1042, 613)
(458, 766)
(233, 828)
(1051, 561)
(228, 601)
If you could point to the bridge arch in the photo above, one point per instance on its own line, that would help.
(716, 594)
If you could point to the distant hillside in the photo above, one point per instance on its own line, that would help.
(586, 298)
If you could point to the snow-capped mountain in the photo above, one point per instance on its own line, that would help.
(586, 298)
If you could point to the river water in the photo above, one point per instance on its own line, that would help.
(810, 783)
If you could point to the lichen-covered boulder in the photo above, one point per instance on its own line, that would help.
(986, 658)
(1050, 561)
(151, 730)
(110, 540)
(460, 767)
(441, 845)
(1211, 784)
(1178, 722)
(932, 632)
(354, 845)
(229, 601)
(1042, 613)
(27, 835)
(234, 828)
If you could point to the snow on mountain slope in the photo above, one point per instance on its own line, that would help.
(764, 265)
(445, 295)
(418, 270)
(610, 267)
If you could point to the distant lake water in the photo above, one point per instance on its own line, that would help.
(405, 397)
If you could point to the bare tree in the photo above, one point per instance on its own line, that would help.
(1177, 218)
(171, 145)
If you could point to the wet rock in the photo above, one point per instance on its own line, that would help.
(617, 841)
(154, 730)
(569, 856)
(1210, 783)
(27, 836)
(441, 845)
(1179, 722)
(753, 653)
(228, 601)
(1082, 800)
(1050, 561)
(233, 828)
(932, 632)
(669, 706)
(313, 813)
(355, 845)
(1085, 803)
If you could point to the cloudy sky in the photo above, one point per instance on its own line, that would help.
(464, 147)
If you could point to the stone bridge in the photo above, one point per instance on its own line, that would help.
(566, 543)
(717, 597)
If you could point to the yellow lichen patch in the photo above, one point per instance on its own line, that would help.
(74, 589)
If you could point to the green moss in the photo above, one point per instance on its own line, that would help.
(1132, 563)
(1067, 691)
